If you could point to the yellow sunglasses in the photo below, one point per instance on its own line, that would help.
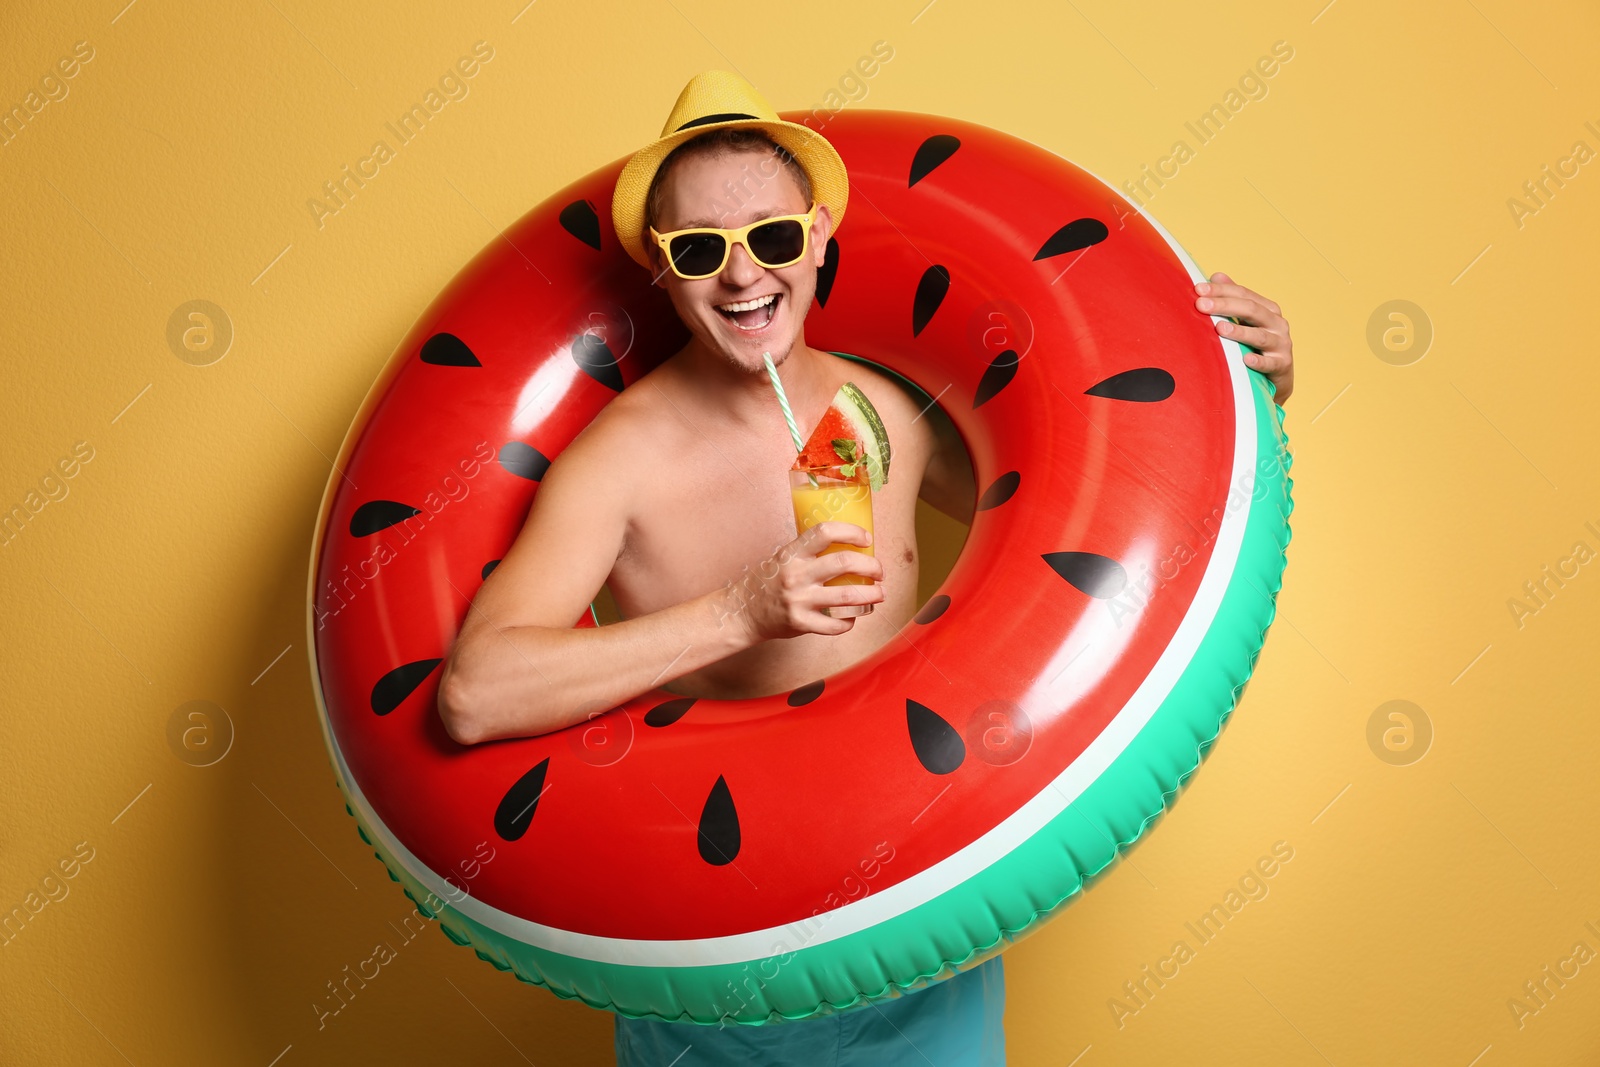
(700, 252)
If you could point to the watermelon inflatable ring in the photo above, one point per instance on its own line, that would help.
(752, 861)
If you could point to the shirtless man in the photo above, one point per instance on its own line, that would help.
(676, 496)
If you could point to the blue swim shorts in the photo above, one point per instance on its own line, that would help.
(953, 1023)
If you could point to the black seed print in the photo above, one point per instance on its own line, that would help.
(1074, 235)
(591, 353)
(1097, 575)
(1000, 490)
(932, 152)
(939, 748)
(516, 808)
(667, 713)
(488, 568)
(826, 272)
(400, 683)
(448, 350)
(930, 294)
(996, 377)
(1142, 385)
(935, 607)
(579, 219)
(719, 827)
(524, 461)
(806, 693)
(377, 515)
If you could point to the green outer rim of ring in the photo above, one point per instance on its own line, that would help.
(999, 904)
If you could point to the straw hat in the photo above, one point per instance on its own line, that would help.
(711, 100)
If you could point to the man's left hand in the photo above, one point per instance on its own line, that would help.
(1261, 328)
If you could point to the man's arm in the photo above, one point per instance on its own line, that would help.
(948, 483)
(519, 667)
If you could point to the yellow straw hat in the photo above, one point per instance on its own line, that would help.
(711, 100)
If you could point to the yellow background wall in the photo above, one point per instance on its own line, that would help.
(219, 900)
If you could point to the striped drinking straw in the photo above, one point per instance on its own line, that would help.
(788, 416)
(783, 402)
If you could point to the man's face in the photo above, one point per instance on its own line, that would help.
(728, 190)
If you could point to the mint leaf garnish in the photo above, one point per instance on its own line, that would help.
(845, 449)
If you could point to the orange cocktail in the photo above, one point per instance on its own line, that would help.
(826, 494)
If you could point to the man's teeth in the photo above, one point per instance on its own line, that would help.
(749, 305)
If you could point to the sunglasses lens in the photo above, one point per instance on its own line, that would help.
(777, 244)
(697, 254)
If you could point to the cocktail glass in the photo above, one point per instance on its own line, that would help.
(826, 494)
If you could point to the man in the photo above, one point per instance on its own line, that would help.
(676, 496)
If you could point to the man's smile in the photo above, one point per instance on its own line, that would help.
(753, 315)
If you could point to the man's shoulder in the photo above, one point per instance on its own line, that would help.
(900, 403)
(884, 387)
(633, 418)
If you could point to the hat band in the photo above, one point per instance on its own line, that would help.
(725, 117)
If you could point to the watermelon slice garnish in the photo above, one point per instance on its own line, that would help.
(850, 418)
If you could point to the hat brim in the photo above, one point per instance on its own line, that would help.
(830, 183)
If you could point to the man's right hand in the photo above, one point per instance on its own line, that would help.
(784, 595)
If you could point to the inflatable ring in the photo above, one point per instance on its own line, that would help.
(876, 830)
